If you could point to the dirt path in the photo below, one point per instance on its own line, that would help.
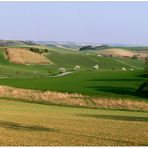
(58, 75)
(62, 74)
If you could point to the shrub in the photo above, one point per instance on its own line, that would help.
(143, 89)
(146, 67)
(136, 56)
(96, 67)
(123, 69)
(62, 70)
(77, 67)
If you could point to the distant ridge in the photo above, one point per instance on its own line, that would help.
(4, 43)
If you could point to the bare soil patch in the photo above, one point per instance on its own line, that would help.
(58, 98)
(117, 52)
(24, 56)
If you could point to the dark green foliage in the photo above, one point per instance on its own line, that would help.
(93, 48)
(38, 50)
(146, 67)
(87, 48)
(143, 89)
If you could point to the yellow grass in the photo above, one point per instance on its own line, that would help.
(42, 125)
(24, 56)
(118, 52)
(58, 98)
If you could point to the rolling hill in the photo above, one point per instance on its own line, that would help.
(40, 107)
(61, 57)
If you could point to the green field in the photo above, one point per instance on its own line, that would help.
(111, 84)
(34, 124)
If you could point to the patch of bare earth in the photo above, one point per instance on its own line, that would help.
(24, 56)
(118, 52)
(70, 99)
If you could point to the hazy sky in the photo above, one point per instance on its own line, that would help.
(101, 22)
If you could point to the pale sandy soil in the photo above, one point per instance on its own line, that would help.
(58, 98)
(121, 52)
(24, 56)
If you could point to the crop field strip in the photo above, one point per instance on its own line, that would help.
(41, 125)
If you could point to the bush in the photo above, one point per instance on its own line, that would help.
(96, 67)
(143, 89)
(38, 50)
(146, 67)
(77, 67)
(62, 70)
(136, 56)
(123, 69)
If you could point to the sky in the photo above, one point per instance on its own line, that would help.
(93, 22)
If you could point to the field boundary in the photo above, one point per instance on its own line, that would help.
(66, 99)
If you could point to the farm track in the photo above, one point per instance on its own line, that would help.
(58, 75)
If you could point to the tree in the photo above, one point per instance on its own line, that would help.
(62, 70)
(136, 56)
(146, 67)
(77, 67)
(96, 67)
(143, 89)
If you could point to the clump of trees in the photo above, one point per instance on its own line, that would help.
(136, 56)
(89, 47)
(38, 50)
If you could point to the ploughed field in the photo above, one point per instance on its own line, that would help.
(39, 125)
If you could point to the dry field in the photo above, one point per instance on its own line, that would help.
(49, 97)
(117, 52)
(24, 56)
(43, 125)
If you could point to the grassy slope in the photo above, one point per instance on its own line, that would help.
(34, 124)
(116, 84)
(10, 69)
(105, 83)
(68, 59)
